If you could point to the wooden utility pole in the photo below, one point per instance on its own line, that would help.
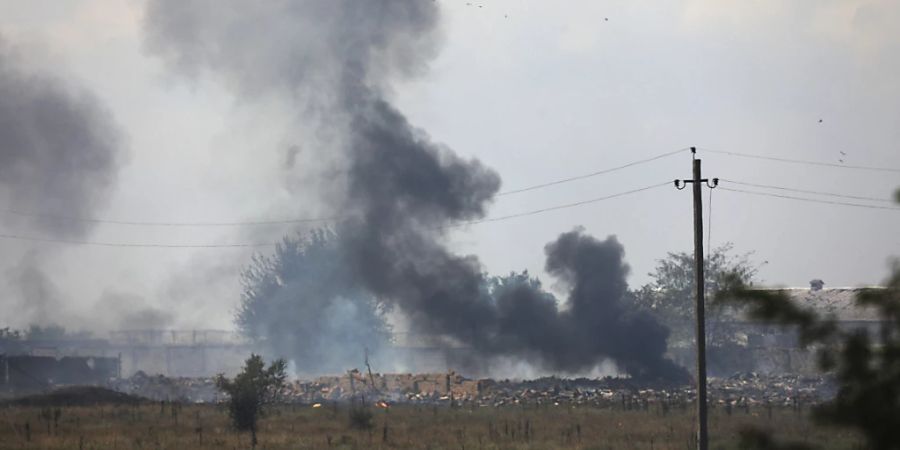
(699, 291)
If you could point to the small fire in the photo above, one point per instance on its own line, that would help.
(317, 405)
(382, 404)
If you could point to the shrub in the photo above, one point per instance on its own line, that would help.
(250, 390)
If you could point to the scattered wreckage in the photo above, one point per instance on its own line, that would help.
(741, 390)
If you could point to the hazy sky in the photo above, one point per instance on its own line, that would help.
(538, 90)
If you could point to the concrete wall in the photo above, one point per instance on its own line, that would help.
(37, 372)
(184, 361)
(176, 353)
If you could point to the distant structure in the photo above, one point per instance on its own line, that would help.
(180, 353)
(184, 353)
(32, 372)
(174, 353)
(767, 348)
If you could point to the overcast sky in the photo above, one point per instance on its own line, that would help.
(538, 90)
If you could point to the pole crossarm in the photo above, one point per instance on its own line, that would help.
(681, 184)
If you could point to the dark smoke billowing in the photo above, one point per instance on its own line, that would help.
(336, 60)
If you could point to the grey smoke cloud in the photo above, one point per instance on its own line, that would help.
(123, 310)
(38, 300)
(336, 60)
(59, 148)
(305, 48)
(37, 297)
(59, 156)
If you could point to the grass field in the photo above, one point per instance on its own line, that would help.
(175, 426)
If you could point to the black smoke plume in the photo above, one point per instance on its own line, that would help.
(337, 59)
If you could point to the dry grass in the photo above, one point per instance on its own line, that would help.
(152, 426)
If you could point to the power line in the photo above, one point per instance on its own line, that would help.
(130, 244)
(270, 244)
(592, 174)
(804, 191)
(558, 207)
(803, 161)
(64, 218)
(812, 200)
(168, 224)
(516, 191)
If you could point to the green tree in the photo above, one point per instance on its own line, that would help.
(304, 303)
(671, 293)
(864, 362)
(251, 390)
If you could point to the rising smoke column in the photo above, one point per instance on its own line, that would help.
(59, 156)
(336, 59)
(59, 149)
(600, 320)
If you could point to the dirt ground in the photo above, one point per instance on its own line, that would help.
(179, 426)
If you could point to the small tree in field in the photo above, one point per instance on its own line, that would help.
(250, 390)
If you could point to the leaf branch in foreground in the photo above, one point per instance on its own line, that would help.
(864, 360)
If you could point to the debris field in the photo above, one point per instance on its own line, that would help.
(737, 391)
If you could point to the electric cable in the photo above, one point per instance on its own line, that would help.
(271, 244)
(803, 161)
(811, 200)
(592, 174)
(806, 191)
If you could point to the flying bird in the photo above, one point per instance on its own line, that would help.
(820, 120)
(843, 153)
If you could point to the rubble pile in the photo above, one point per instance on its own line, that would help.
(750, 388)
(426, 387)
(743, 389)
(162, 388)
(580, 391)
(739, 390)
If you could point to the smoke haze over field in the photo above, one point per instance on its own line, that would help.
(59, 149)
(232, 114)
(336, 60)
(60, 154)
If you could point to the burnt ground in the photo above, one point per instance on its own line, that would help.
(77, 396)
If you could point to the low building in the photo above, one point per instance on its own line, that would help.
(767, 348)
(174, 353)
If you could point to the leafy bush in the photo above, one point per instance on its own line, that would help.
(865, 364)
